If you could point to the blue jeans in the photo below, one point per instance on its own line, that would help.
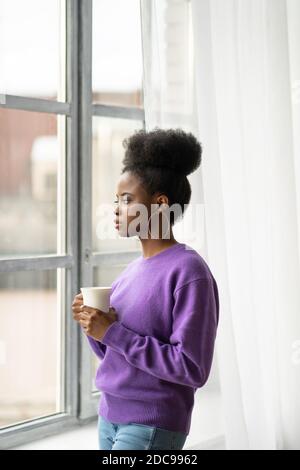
(118, 436)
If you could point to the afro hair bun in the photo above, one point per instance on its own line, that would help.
(172, 149)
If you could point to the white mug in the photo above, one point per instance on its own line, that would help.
(96, 297)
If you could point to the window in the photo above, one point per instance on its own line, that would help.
(31, 40)
(32, 350)
(64, 112)
(117, 63)
(31, 154)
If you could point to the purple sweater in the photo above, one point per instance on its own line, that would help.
(161, 348)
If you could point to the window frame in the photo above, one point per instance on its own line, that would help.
(79, 260)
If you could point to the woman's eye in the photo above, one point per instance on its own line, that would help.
(124, 200)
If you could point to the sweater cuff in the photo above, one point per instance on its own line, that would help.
(117, 336)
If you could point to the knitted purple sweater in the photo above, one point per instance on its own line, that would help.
(161, 348)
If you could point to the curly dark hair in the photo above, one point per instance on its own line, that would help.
(162, 159)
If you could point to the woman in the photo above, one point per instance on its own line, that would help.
(156, 342)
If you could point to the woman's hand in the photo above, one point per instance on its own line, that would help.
(94, 321)
(76, 306)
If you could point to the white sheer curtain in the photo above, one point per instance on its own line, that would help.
(247, 96)
(169, 90)
(168, 64)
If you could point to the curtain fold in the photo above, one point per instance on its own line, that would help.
(169, 95)
(169, 92)
(229, 72)
(245, 113)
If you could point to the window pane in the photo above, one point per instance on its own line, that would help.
(31, 48)
(31, 147)
(30, 347)
(117, 52)
(108, 153)
(105, 275)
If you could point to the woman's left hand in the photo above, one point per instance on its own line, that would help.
(95, 322)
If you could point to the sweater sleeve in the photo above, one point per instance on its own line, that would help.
(98, 348)
(187, 358)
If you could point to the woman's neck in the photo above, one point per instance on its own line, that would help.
(151, 247)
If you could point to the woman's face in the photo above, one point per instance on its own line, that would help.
(131, 197)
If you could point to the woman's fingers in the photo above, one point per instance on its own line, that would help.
(78, 298)
(84, 316)
(77, 303)
(78, 314)
(76, 307)
(83, 323)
